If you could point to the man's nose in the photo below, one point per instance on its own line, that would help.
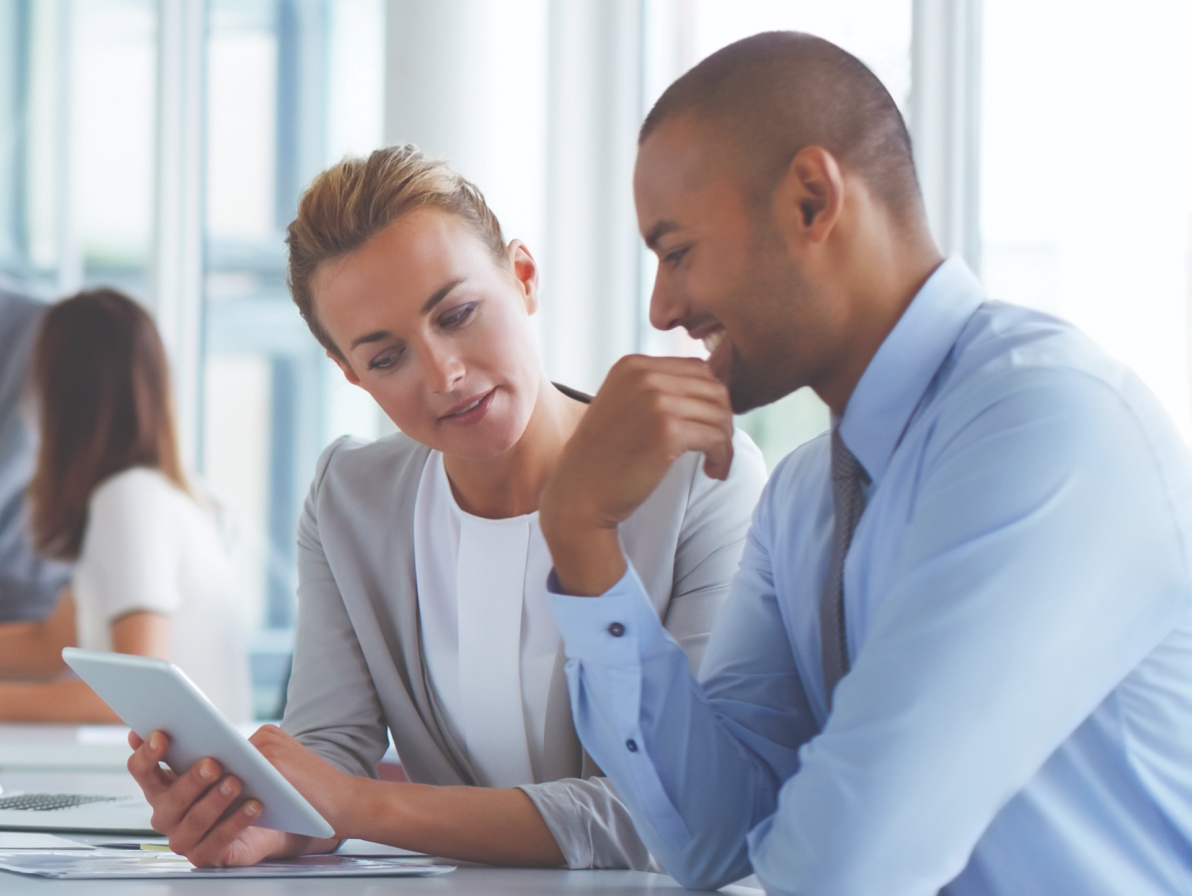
(667, 310)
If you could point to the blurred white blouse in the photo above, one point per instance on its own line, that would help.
(149, 546)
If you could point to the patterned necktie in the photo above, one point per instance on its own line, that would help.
(848, 480)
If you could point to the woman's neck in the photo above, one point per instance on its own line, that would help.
(509, 485)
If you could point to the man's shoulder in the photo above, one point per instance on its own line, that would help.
(805, 467)
(1007, 350)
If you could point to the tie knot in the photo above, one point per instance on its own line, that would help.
(845, 465)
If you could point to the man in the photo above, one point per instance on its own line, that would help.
(29, 585)
(958, 652)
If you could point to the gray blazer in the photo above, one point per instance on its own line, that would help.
(358, 663)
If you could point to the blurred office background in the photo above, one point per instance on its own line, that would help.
(162, 145)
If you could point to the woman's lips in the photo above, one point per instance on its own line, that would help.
(473, 411)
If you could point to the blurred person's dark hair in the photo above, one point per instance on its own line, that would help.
(102, 384)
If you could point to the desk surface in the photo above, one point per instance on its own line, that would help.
(63, 759)
(469, 881)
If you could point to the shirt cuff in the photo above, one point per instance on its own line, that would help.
(614, 629)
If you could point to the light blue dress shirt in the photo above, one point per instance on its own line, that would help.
(1018, 716)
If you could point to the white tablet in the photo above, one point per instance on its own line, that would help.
(153, 695)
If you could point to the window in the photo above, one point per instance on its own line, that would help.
(291, 86)
(78, 106)
(1086, 185)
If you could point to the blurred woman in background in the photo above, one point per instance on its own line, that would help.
(153, 573)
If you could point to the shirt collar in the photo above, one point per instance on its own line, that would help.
(905, 363)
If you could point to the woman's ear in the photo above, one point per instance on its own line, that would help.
(347, 371)
(525, 272)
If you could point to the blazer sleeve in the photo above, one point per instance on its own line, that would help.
(587, 818)
(332, 707)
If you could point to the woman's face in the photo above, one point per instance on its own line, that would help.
(437, 332)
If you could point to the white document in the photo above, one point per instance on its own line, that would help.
(27, 840)
(103, 865)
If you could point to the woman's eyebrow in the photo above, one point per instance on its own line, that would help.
(440, 294)
(436, 297)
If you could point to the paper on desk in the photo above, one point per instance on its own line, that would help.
(24, 840)
(101, 865)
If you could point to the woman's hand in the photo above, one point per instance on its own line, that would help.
(325, 787)
(203, 813)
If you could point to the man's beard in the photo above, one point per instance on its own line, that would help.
(775, 368)
(761, 381)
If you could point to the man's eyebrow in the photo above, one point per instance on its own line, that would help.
(440, 294)
(659, 230)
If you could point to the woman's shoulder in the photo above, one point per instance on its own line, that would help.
(355, 474)
(687, 488)
(354, 457)
(134, 488)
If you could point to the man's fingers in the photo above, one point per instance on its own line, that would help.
(202, 815)
(699, 383)
(175, 804)
(709, 439)
(718, 461)
(664, 364)
(215, 848)
(698, 410)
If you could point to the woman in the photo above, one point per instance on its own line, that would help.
(152, 572)
(422, 601)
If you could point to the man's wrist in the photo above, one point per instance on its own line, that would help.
(588, 559)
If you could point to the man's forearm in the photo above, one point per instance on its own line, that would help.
(588, 559)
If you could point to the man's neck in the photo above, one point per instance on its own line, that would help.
(884, 276)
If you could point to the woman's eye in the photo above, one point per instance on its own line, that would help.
(385, 360)
(457, 316)
(673, 258)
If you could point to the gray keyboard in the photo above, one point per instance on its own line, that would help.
(46, 802)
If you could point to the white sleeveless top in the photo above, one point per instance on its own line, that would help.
(488, 633)
(149, 546)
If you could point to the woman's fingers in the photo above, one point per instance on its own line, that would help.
(201, 815)
(145, 765)
(216, 849)
(177, 801)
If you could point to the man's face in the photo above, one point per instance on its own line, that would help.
(724, 272)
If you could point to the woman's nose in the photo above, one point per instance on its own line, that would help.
(443, 368)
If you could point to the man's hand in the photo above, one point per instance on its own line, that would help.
(648, 413)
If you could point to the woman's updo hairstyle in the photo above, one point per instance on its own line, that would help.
(353, 201)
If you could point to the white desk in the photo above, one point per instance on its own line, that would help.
(62, 759)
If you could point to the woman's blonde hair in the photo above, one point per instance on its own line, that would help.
(351, 202)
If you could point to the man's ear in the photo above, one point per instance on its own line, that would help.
(525, 272)
(810, 196)
(348, 373)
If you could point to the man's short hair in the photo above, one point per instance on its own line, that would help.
(773, 94)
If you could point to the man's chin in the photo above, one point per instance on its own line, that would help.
(748, 389)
